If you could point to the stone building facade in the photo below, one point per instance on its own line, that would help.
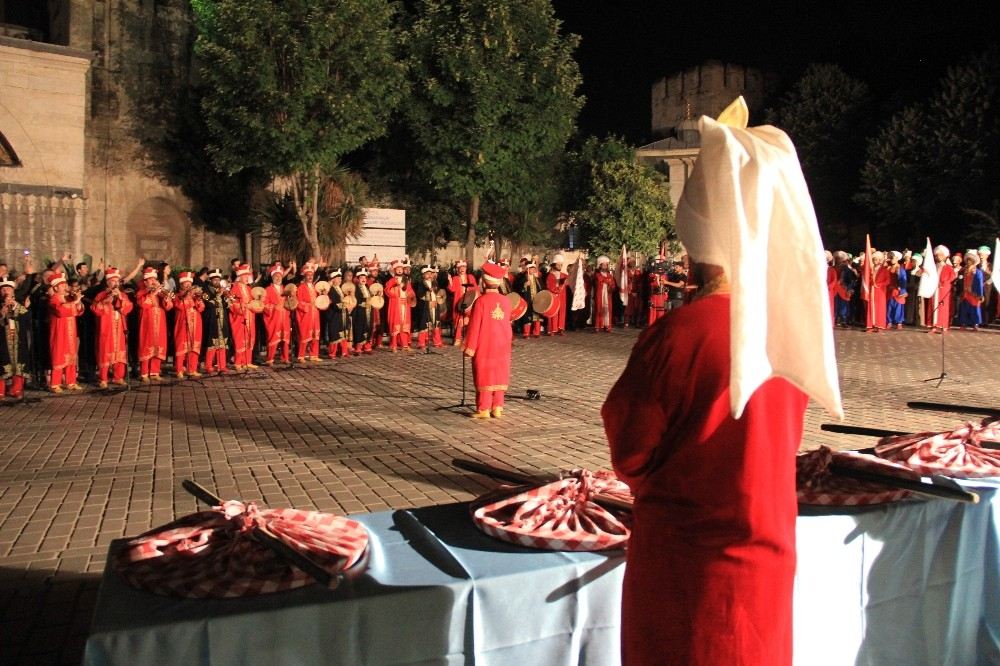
(679, 99)
(87, 182)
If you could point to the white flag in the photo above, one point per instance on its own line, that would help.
(929, 275)
(623, 276)
(996, 278)
(579, 291)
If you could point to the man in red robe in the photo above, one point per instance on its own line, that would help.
(458, 285)
(64, 308)
(705, 421)
(657, 295)
(111, 307)
(939, 306)
(488, 343)
(153, 302)
(399, 295)
(875, 294)
(242, 320)
(277, 318)
(307, 316)
(555, 281)
(633, 308)
(604, 290)
(188, 306)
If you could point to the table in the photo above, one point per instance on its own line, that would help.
(911, 583)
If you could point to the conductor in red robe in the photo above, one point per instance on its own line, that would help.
(307, 316)
(399, 294)
(706, 419)
(242, 320)
(153, 301)
(556, 282)
(876, 294)
(488, 342)
(111, 307)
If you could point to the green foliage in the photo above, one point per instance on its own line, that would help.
(627, 205)
(578, 167)
(827, 114)
(295, 84)
(493, 90)
(933, 169)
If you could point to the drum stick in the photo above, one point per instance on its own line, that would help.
(944, 407)
(285, 552)
(520, 478)
(939, 486)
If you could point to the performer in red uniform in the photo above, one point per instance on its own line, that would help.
(633, 308)
(153, 301)
(705, 421)
(832, 279)
(374, 274)
(307, 316)
(939, 306)
(111, 307)
(604, 291)
(876, 294)
(242, 320)
(488, 342)
(458, 284)
(657, 295)
(64, 308)
(399, 294)
(555, 281)
(188, 306)
(277, 318)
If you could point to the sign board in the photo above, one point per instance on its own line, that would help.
(383, 235)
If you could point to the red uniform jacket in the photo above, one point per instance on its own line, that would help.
(111, 323)
(604, 290)
(63, 340)
(241, 318)
(153, 306)
(187, 325)
(277, 318)
(939, 306)
(489, 336)
(711, 559)
(398, 315)
(306, 313)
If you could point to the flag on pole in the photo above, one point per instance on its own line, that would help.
(579, 292)
(623, 276)
(866, 269)
(928, 274)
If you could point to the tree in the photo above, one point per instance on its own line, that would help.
(827, 114)
(291, 86)
(493, 89)
(933, 169)
(628, 205)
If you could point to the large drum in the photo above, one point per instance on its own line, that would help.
(375, 289)
(258, 293)
(376, 300)
(545, 303)
(518, 306)
(350, 302)
(347, 288)
(322, 287)
(322, 302)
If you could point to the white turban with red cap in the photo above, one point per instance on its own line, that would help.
(746, 208)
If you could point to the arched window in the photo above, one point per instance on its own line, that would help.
(8, 158)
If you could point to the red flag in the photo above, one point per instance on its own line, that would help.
(867, 279)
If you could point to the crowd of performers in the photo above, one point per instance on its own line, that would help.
(67, 325)
(886, 295)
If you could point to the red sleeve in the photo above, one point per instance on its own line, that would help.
(475, 324)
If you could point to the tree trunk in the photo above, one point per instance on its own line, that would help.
(470, 233)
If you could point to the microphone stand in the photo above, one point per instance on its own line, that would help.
(943, 375)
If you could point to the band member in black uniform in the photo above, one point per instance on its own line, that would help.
(361, 318)
(15, 320)
(527, 284)
(216, 323)
(338, 323)
(426, 321)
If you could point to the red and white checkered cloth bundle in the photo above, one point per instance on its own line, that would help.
(957, 453)
(555, 516)
(212, 553)
(815, 484)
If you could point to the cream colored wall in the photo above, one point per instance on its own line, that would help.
(43, 105)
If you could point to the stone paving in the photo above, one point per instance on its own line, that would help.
(353, 435)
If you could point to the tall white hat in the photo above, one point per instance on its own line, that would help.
(747, 209)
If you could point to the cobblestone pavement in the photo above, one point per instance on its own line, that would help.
(353, 435)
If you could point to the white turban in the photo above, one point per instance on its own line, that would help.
(747, 209)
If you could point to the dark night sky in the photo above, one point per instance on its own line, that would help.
(899, 49)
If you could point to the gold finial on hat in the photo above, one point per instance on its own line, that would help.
(736, 114)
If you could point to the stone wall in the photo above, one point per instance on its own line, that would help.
(705, 89)
(43, 110)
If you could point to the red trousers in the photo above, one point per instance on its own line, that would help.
(533, 329)
(487, 400)
(117, 372)
(213, 355)
(436, 338)
(57, 376)
(186, 362)
(341, 348)
(16, 387)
